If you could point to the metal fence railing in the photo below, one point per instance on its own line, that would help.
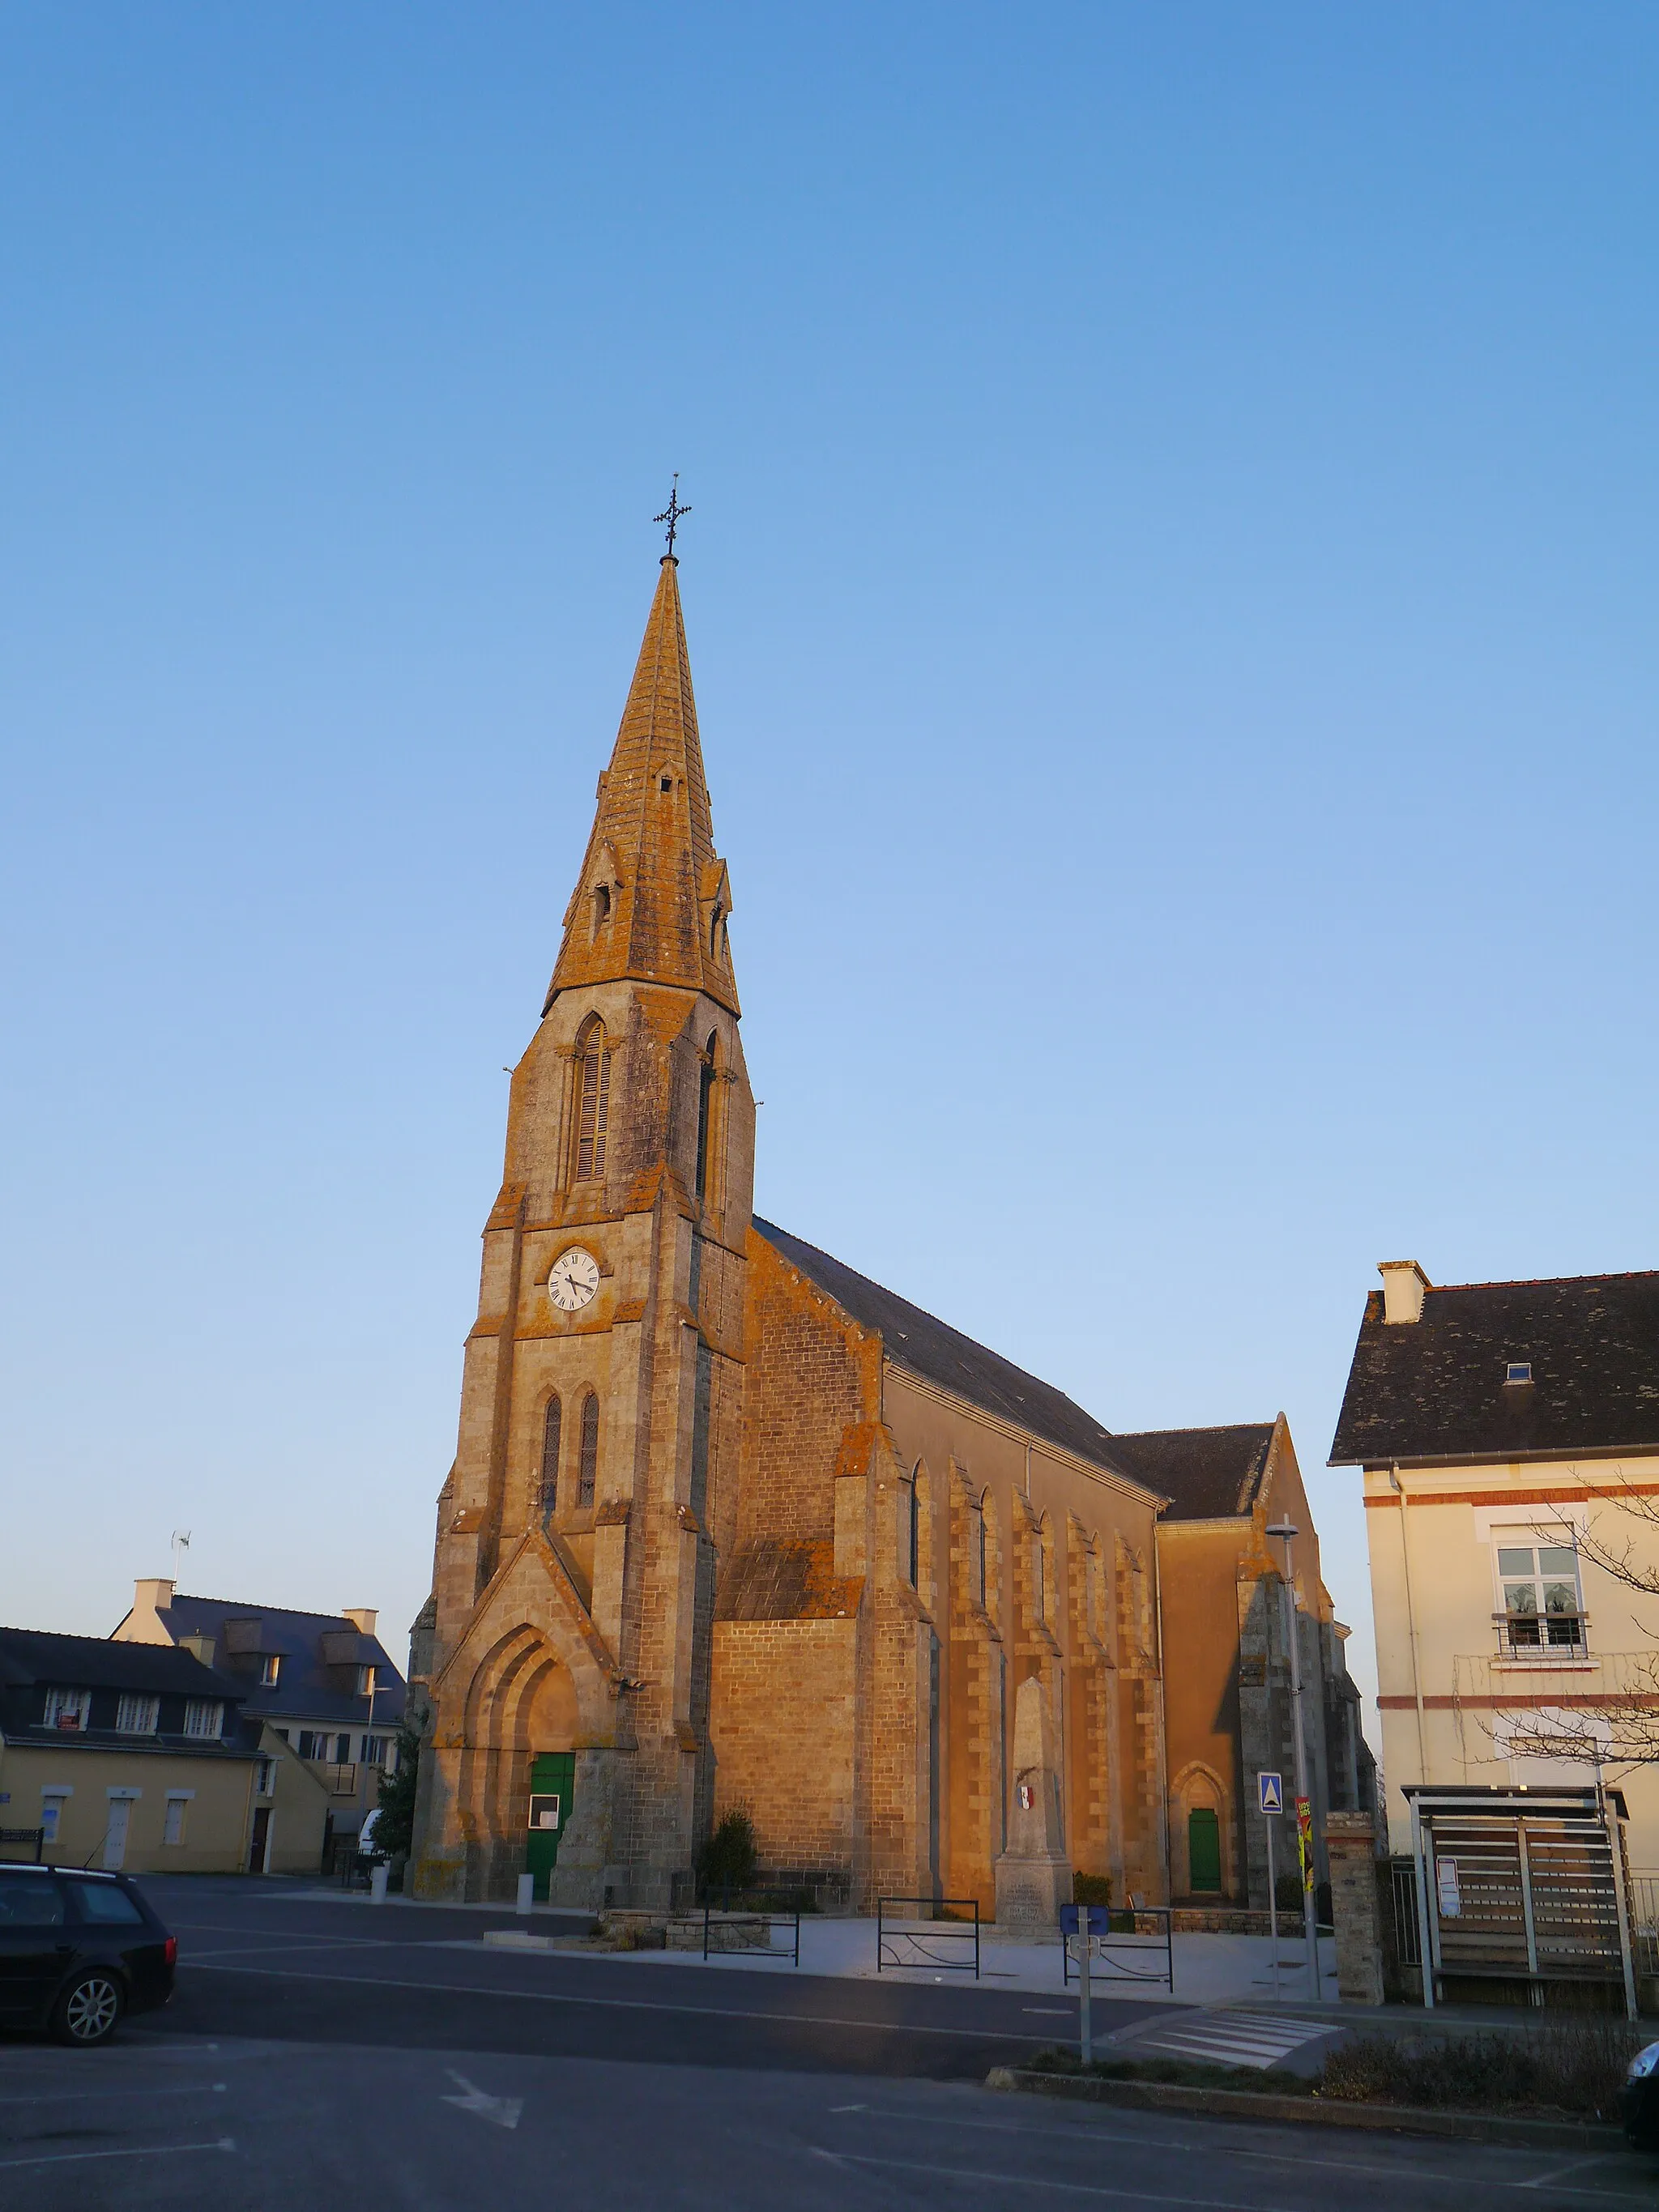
(757, 1930)
(1407, 1931)
(937, 1932)
(32, 1839)
(1645, 1922)
(1134, 1944)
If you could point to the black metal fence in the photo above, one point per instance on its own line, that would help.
(1134, 1944)
(33, 1839)
(753, 1925)
(940, 1933)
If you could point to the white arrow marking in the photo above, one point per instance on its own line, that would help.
(503, 2110)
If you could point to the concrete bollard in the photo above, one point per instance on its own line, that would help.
(526, 1893)
(377, 1883)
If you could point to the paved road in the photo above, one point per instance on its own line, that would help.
(316, 2056)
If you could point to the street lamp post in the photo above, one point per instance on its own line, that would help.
(1287, 1531)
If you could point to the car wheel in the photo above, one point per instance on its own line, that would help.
(88, 2011)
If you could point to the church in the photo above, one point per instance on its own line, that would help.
(730, 1525)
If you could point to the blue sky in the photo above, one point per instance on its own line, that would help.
(1170, 596)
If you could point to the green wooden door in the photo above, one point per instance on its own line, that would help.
(1204, 1851)
(552, 1785)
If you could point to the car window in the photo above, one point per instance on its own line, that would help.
(31, 1903)
(107, 1903)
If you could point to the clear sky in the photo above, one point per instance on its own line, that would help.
(1170, 591)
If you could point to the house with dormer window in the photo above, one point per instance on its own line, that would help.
(324, 1682)
(141, 1757)
(1508, 1438)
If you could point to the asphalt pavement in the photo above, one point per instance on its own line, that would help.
(321, 2053)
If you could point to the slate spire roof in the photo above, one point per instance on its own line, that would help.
(652, 899)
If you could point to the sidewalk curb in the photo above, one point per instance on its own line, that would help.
(1312, 2111)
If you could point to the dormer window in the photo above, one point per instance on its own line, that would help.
(1519, 1371)
(68, 1709)
(365, 1682)
(270, 1666)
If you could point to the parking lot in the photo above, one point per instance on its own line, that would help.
(321, 2051)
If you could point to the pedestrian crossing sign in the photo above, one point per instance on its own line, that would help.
(1271, 1788)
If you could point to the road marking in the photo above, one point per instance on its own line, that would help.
(1087, 2128)
(503, 2112)
(638, 2004)
(1050, 2012)
(103, 2096)
(1230, 2038)
(146, 2150)
(849, 2108)
(1115, 2191)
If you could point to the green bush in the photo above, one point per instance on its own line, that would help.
(1091, 1889)
(728, 1861)
(394, 1831)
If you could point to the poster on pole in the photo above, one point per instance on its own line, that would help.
(1305, 1841)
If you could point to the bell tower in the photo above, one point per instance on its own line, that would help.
(595, 1475)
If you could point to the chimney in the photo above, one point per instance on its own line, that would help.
(1403, 1285)
(200, 1647)
(365, 1617)
(151, 1596)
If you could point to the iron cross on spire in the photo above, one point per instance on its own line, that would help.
(672, 514)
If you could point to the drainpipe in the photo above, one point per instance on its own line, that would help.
(1395, 1485)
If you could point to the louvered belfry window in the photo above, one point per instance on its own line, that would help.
(593, 1100)
(551, 1425)
(588, 1469)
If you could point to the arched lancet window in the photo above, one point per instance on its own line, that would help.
(601, 907)
(592, 1099)
(706, 1074)
(552, 1425)
(910, 1531)
(587, 1467)
(981, 1574)
(1039, 1585)
(714, 923)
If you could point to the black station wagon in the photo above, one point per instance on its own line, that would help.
(77, 1950)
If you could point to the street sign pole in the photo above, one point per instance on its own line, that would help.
(1286, 1531)
(1086, 2035)
(1272, 1902)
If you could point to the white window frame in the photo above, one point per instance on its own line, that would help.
(177, 1818)
(270, 1669)
(137, 1713)
(264, 1775)
(1535, 1536)
(62, 1702)
(204, 1717)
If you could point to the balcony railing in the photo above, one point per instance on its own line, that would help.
(1542, 1636)
(339, 1777)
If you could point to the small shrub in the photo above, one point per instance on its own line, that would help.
(1572, 2065)
(728, 1861)
(1091, 1889)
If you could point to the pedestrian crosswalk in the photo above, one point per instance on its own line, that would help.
(1228, 2039)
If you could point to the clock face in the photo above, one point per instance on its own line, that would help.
(575, 1279)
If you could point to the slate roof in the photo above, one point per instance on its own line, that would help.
(791, 1579)
(93, 1662)
(939, 1354)
(1435, 1389)
(1206, 1473)
(306, 1688)
(33, 1661)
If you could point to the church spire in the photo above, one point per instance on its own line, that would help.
(651, 903)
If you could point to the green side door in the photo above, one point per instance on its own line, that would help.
(1204, 1849)
(552, 1783)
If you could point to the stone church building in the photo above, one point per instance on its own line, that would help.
(730, 1524)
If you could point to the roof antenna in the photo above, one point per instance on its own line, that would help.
(180, 1543)
(672, 514)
